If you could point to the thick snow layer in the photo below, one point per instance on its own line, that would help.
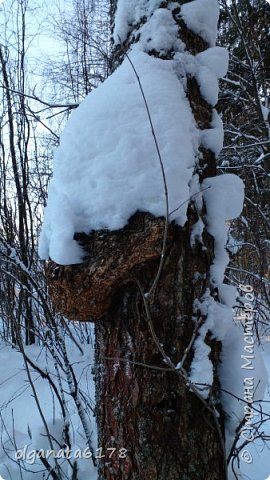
(218, 322)
(215, 59)
(224, 202)
(212, 138)
(201, 16)
(208, 84)
(203, 68)
(207, 67)
(128, 14)
(160, 32)
(228, 294)
(265, 112)
(211, 64)
(107, 165)
(223, 197)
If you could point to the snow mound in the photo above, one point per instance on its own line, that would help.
(201, 16)
(216, 59)
(224, 202)
(212, 138)
(128, 14)
(160, 32)
(106, 167)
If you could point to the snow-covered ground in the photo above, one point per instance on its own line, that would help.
(21, 423)
(22, 426)
(257, 452)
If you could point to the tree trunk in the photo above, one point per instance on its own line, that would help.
(146, 408)
(160, 424)
(167, 431)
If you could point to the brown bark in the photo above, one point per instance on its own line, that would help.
(84, 291)
(166, 430)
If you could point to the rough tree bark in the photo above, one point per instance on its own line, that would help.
(143, 405)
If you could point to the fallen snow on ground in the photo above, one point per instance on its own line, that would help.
(20, 421)
(256, 452)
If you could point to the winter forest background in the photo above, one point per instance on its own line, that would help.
(52, 55)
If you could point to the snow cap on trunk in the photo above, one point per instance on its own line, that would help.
(128, 13)
(201, 16)
(106, 167)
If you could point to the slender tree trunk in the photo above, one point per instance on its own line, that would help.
(18, 145)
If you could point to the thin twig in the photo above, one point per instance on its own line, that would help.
(191, 343)
(140, 364)
(165, 234)
(37, 99)
(188, 199)
(20, 342)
